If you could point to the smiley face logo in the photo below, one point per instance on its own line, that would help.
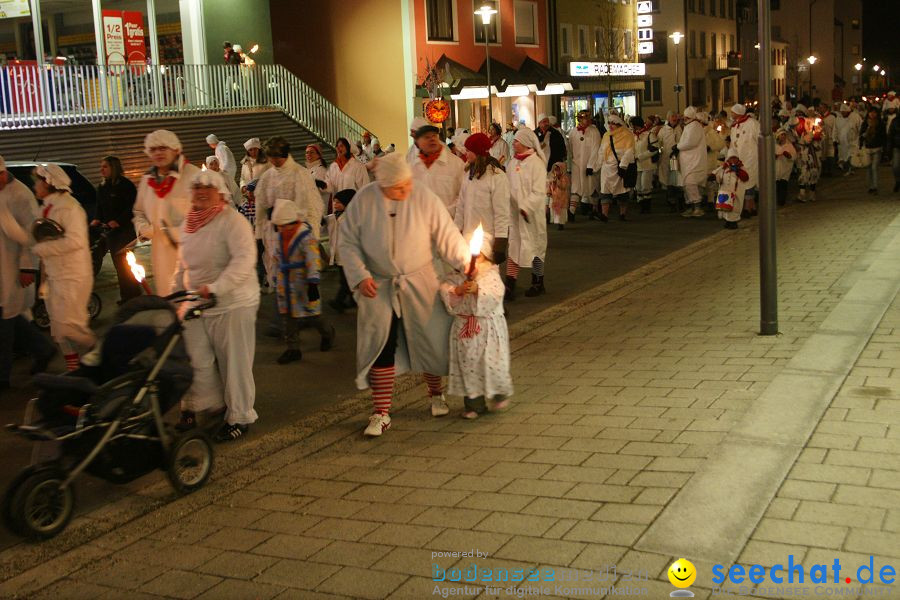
(682, 573)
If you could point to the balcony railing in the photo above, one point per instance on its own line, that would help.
(725, 61)
(55, 95)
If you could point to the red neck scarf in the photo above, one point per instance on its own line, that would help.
(341, 161)
(196, 219)
(646, 127)
(162, 188)
(429, 159)
(525, 154)
(740, 120)
(583, 129)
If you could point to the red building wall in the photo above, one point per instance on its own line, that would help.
(466, 51)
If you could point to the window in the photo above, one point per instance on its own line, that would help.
(598, 42)
(776, 4)
(721, 8)
(692, 6)
(731, 42)
(701, 7)
(660, 48)
(526, 23)
(693, 44)
(440, 20)
(854, 23)
(730, 9)
(724, 44)
(565, 40)
(712, 8)
(493, 29)
(702, 44)
(582, 48)
(653, 91)
(698, 92)
(629, 44)
(712, 45)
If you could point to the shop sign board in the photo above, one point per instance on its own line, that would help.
(602, 69)
(645, 26)
(14, 8)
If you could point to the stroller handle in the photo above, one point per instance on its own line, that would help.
(192, 296)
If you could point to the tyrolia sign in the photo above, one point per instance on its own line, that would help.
(602, 69)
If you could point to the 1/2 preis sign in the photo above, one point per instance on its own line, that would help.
(123, 37)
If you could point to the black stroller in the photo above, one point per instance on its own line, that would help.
(106, 418)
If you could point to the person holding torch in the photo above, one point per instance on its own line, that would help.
(809, 145)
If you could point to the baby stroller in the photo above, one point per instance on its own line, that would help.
(106, 418)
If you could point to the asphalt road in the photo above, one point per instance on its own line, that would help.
(584, 255)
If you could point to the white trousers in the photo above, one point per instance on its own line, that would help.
(692, 193)
(735, 213)
(221, 348)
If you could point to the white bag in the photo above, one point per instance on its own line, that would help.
(860, 158)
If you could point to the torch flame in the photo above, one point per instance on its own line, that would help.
(818, 121)
(476, 241)
(136, 268)
(254, 48)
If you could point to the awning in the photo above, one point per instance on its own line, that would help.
(542, 76)
(460, 82)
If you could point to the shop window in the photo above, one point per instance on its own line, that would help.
(653, 91)
(629, 44)
(440, 18)
(565, 40)
(693, 44)
(702, 44)
(526, 22)
(493, 29)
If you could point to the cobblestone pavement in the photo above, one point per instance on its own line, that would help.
(621, 399)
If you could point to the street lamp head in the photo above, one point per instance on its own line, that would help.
(882, 72)
(876, 68)
(676, 37)
(858, 66)
(486, 13)
(757, 46)
(812, 60)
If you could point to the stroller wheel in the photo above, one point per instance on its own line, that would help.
(6, 509)
(94, 306)
(40, 314)
(40, 506)
(190, 462)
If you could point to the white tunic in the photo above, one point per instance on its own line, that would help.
(320, 173)
(352, 177)
(70, 276)
(610, 182)
(642, 152)
(291, 182)
(479, 364)
(226, 159)
(18, 203)
(784, 165)
(500, 151)
(159, 220)
(744, 145)
(250, 170)
(715, 142)
(397, 253)
(584, 145)
(828, 135)
(668, 138)
(484, 201)
(528, 193)
(846, 131)
(443, 177)
(692, 154)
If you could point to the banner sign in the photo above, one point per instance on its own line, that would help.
(123, 37)
(645, 27)
(602, 69)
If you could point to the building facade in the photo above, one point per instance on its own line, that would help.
(705, 64)
(748, 42)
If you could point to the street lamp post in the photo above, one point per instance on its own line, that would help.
(811, 60)
(486, 13)
(768, 267)
(676, 39)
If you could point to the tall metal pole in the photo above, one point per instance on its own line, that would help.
(487, 58)
(677, 85)
(768, 270)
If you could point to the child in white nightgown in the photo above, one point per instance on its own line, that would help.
(479, 340)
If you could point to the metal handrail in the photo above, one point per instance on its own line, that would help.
(57, 95)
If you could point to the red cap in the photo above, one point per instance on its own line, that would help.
(479, 143)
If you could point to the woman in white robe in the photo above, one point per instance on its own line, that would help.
(318, 170)
(254, 164)
(66, 263)
(527, 173)
(616, 151)
(232, 195)
(691, 151)
(387, 238)
(484, 199)
(346, 172)
(163, 198)
(218, 257)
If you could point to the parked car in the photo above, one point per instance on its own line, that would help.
(82, 189)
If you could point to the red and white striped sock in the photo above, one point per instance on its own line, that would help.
(72, 362)
(382, 381)
(512, 268)
(434, 384)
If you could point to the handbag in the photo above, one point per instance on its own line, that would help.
(628, 174)
(860, 158)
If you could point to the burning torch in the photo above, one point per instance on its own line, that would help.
(475, 249)
(138, 271)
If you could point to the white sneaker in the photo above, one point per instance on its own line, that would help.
(697, 212)
(439, 406)
(688, 213)
(378, 424)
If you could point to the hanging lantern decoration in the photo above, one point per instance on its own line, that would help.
(437, 110)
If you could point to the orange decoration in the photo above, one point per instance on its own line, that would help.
(437, 110)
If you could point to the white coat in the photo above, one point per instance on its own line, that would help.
(784, 165)
(70, 276)
(352, 177)
(443, 177)
(528, 194)
(320, 173)
(846, 131)
(159, 220)
(610, 182)
(484, 201)
(668, 138)
(18, 203)
(234, 193)
(715, 143)
(692, 154)
(226, 159)
(642, 152)
(222, 343)
(744, 145)
(500, 151)
(250, 170)
(397, 252)
(828, 135)
(584, 144)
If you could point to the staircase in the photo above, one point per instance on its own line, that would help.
(85, 145)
